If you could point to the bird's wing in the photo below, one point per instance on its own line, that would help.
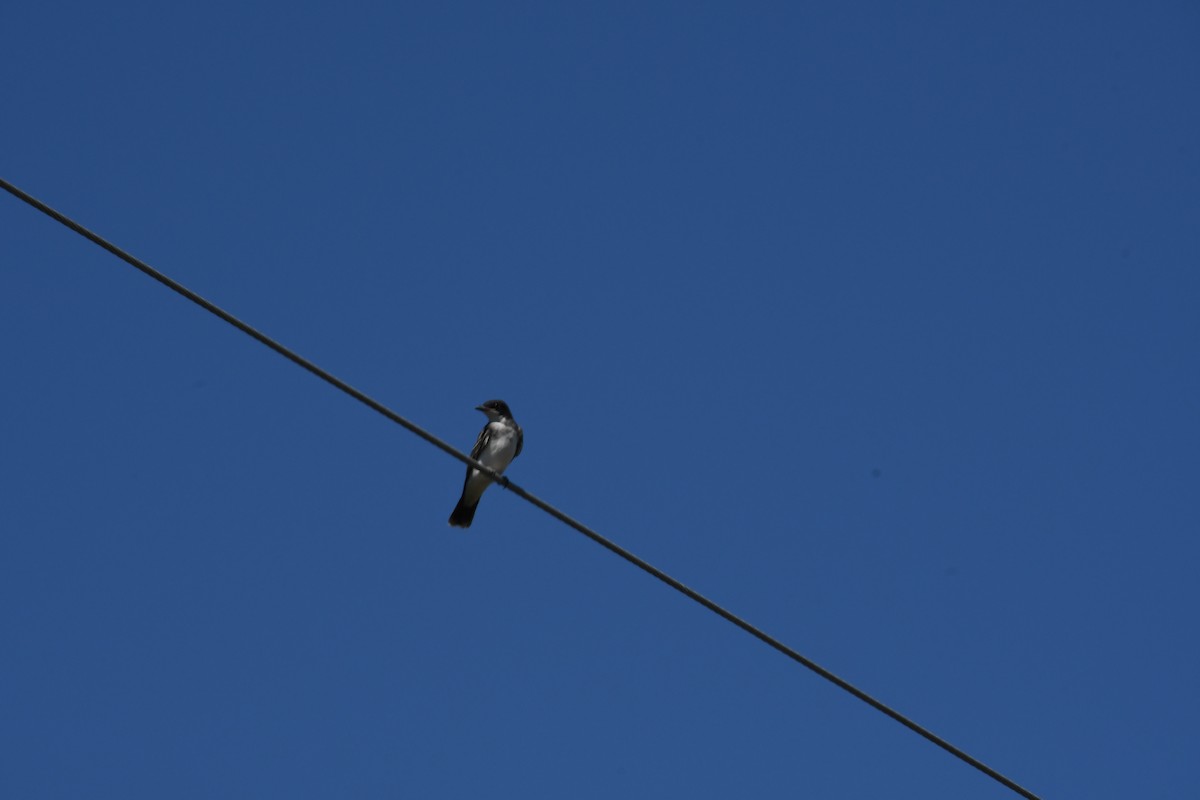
(520, 440)
(485, 436)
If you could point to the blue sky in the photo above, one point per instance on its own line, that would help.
(876, 323)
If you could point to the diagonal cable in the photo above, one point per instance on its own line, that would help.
(517, 490)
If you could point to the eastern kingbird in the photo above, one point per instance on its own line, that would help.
(498, 444)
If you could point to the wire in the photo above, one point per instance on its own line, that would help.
(517, 490)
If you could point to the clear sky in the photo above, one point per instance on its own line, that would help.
(878, 323)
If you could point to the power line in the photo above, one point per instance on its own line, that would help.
(517, 490)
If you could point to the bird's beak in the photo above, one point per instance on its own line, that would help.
(481, 408)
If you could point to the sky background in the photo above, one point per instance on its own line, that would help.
(877, 323)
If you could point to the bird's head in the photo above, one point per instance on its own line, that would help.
(495, 409)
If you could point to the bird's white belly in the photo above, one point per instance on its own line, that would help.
(502, 448)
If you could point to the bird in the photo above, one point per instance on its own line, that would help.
(498, 444)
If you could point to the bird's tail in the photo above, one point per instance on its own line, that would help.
(463, 513)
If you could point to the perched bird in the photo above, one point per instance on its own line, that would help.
(498, 444)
